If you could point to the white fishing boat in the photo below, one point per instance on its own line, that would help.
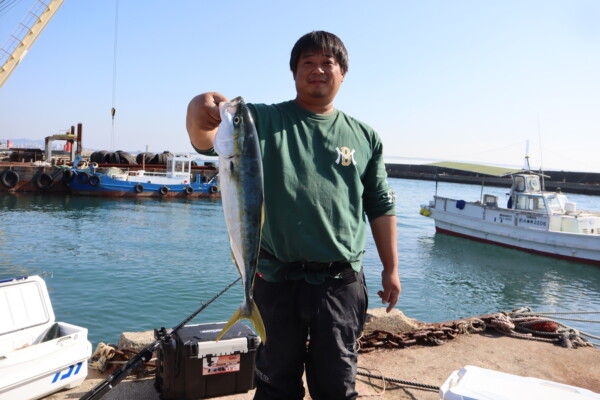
(533, 220)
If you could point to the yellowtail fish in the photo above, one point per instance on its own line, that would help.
(241, 183)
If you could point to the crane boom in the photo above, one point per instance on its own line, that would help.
(25, 34)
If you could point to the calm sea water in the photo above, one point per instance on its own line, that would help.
(114, 265)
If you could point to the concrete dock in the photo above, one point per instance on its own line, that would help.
(429, 365)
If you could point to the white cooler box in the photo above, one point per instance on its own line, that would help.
(474, 383)
(38, 356)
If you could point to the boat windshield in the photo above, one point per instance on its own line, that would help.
(556, 202)
(178, 165)
(530, 202)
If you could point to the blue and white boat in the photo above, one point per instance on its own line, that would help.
(177, 181)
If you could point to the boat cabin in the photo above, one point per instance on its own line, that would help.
(179, 166)
(526, 194)
(526, 183)
(178, 171)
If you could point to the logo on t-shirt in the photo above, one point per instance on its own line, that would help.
(391, 195)
(345, 156)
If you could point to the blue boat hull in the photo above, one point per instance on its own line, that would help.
(97, 184)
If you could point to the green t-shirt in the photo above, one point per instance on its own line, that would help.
(322, 174)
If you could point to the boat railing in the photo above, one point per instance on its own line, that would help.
(146, 173)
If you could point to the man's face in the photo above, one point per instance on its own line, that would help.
(318, 76)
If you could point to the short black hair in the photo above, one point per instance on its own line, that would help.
(320, 40)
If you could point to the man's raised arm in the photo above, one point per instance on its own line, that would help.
(203, 119)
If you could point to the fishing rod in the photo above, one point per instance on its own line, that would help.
(145, 355)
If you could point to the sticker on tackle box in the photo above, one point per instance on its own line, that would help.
(221, 364)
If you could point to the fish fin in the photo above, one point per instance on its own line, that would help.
(233, 256)
(257, 321)
(235, 318)
(253, 317)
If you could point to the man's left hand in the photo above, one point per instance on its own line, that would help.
(391, 289)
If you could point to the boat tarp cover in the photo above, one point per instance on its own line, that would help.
(477, 168)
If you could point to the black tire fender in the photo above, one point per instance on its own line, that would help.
(43, 181)
(188, 190)
(9, 178)
(213, 189)
(163, 190)
(68, 175)
(83, 177)
(139, 188)
(94, 180)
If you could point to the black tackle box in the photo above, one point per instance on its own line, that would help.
(193, 366)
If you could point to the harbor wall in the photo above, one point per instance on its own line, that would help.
(565, 181)
(560, 181)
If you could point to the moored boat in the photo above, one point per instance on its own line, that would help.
(176, 181)
(533, 220)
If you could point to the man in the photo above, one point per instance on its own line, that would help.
(323, 171)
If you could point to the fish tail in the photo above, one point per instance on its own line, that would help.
(253, 316)
(258, 322)
(237, 315)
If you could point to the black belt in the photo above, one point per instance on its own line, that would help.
(342, 268)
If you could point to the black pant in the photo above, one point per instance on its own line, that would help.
(331, 315)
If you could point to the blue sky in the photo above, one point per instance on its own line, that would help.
(439, 80)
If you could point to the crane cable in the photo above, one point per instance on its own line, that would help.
(114, 88)
(6, 5)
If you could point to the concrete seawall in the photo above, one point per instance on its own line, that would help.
(568, 182)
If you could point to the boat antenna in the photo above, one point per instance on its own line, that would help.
(527, 167)
(482, 185)
(541, 158)
(436, 180)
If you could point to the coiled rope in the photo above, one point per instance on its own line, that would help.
(524, 318)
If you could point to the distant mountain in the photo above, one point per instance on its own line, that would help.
(24, 143)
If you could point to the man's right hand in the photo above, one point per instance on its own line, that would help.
(203, 119)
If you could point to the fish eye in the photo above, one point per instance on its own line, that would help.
(236, 120)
